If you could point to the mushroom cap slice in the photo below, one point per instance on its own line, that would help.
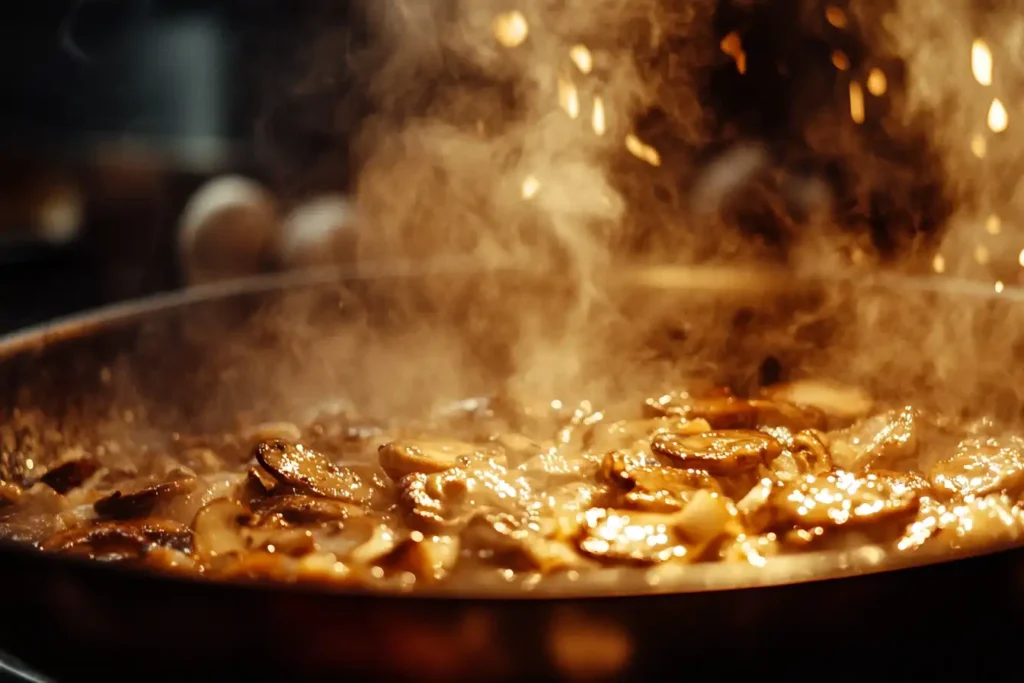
(401, 458)
(844, 499)
(838, 401)
(121, 540)
(299, 509)
(724, 452)
(140, 499)
(980, 467)
(310, 471)
(653, 488)
(70, 474)
(630, 537)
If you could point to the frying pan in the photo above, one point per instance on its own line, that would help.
(839, 614)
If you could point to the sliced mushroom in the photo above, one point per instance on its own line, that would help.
(9, 493)
(142, 498)
(837, 401)
(721, 412)
(887, 439)
(844, 499)
(70, 474)
(625, 433)
(298, 509)
(519, 544)
(121, 540)
(312, 472)
(707, 517)
(984, 521)
(653, 488)
(273, 431)
(980, 467)
(429, 501)
(262, 480)
(218, 529)
(632, 537)
(401, 458)
(722, 453)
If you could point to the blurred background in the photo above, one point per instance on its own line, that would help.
(781, 120)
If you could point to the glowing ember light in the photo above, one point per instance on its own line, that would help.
(999, 286)
(568, 98)
(877, 82)
(998, 117)
(597, 119)
(530, 187)
(981, 254)
(840, 60)
(836, 17)
(979, 146)
(856, 102)
(981, 62)
(732, 45)
(581, 57)
(939, 264)
(642, 150)
(510, 29)
(993, 225)
(1020, 258)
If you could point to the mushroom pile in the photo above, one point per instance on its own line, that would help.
(498, 489)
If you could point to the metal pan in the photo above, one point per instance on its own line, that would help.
(858, 612)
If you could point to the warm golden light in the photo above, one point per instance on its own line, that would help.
(530, 187)
(877, 82)
(856, 102)
(993, 225)
(840, 60)
(981, 254)
(732, 45)
(581, 57)
(597, 118)
(836, 17)
(939, 263)
(998, 117)
(999, 286)
(510, 29)
(981, 62)
(1020, 258)
(978, 146)
(642, 151)
(568, 98)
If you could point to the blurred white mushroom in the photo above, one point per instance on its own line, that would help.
(319, 232)
(227, 230)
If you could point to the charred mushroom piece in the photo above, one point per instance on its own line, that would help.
(843, 499)
(70, 474)
(653, 488)
(837, 401)
(401, 458)
(632, 537)
(297, 509)
(980, 467)
(311, 471)
(122, 540)
(140, 499)
(721, 453)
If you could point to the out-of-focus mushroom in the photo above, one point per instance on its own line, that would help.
(844, 499)
(70, 474)
(837, 401)
(319, 232)
(141, 498)
(121, 540)
(9, 493)
(720, 411)
(311, 471)
(980, 467)
(227, 230)
(624, 433)
(401, 458)
(726, 452)
(653, 488)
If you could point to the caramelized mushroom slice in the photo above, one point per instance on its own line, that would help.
(426, 557)
(428, 501)
(723, 453)
(141, 498)
(261, 480)
(980, 467)
(625, 433)
(887, 439)
(843, 499)
(298, 509)
(121, 540)
(837, 401)
(632, 537)
(983, 521)
(401, 458)
(506, 541)
(70, 474)
(9, 493)
(652, 488)
(311, 471)
(721, 412)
